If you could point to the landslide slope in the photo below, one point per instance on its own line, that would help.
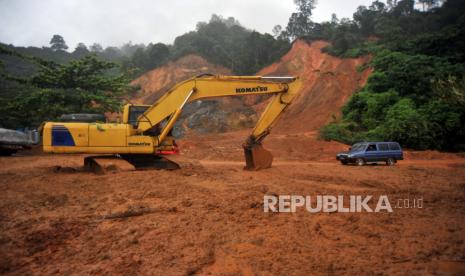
(328, 82)
(156, 82)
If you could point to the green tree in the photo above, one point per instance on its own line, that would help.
(157, 54)
(81, 50)
(428, 4)
(57, 43)
(366, 18)
(226, 42)
(111, 53)
(83, 85)
(96, 48)
(451, 89)
(405, 124)
(277, 29)
(139, 59)
(300, 22)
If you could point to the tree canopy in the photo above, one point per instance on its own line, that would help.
(415, 94)
(57, 43)
(80, 86)
(221, 41)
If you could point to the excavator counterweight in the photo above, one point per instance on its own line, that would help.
(144, 137)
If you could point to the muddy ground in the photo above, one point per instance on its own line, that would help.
(208, 218)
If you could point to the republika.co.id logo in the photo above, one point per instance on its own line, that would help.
(340, 203)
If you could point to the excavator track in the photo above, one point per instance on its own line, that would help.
(104, 163)
(150, 162)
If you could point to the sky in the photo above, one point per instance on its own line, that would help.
(115, 22)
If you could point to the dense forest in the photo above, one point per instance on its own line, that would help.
(221, 41)
(415, 94)
(84, 85)
(39, 84)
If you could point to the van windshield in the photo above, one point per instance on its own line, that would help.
(357, 147)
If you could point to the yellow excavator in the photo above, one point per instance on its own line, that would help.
(143, 138)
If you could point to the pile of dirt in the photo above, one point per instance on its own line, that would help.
(328, 82)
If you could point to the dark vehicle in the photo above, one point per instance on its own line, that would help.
(372, 152)
(12, 141)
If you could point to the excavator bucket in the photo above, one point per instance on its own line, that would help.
(257, 158)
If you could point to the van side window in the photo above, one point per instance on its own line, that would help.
(383, 147)
(394, 146)
(371, 147)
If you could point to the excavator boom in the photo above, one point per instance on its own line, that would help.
(171, 104)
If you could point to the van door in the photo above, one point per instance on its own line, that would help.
(395, 150)
(384, 152)
(371, 153)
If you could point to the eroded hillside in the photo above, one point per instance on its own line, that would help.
(209, 116)
(155, 82)
(328, 82)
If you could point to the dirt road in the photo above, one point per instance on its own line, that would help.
(209, 219)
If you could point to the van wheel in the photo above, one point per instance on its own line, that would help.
(360, 162)
(390, 162)
(344, 162)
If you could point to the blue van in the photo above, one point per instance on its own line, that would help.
(372, 152)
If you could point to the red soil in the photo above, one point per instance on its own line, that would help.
(154, 83)
(209, 219)
(328, 82)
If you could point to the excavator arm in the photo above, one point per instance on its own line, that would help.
(170, 106)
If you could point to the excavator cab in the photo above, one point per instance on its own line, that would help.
(132, 112)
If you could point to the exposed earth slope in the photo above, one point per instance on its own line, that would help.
(209, 116)
(328, 82)
(156, 82)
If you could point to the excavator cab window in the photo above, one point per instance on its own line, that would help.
(134, 113)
